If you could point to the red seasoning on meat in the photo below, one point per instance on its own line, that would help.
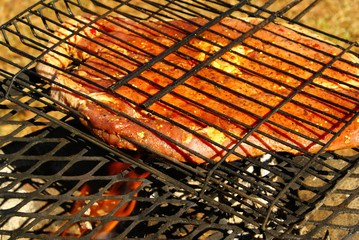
(231, 96)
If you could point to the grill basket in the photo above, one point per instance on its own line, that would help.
(49, 158)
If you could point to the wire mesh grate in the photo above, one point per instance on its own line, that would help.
(267, 195)
(42, 174)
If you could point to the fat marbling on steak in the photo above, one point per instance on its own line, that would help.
(231, 96)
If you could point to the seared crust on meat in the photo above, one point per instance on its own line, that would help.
(231, 96)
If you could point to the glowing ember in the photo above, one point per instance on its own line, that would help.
(106, 206)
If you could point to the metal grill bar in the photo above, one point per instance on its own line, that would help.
(299, 89)
(257, 197)
(160, 133)
(315, 156)
(94, 140)
(217, 54)
(195, 153)
(305, 11)
(174, 48)
(349, 172)
(338, 119)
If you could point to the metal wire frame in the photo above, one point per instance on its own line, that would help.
(215, 177)
(336, 212)
(53, 145)
(294, 132)
(46, 164)
(67, 168)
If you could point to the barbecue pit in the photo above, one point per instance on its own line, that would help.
(51, 164)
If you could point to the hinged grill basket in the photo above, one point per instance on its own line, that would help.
(152, 65)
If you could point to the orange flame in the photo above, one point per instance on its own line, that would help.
(104, 207)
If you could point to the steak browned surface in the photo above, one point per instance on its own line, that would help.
(214, 109)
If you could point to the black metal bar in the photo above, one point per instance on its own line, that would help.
(308, 164)
(175, 47)
(265, 119)
(116, 152)
(266, 5)
(348, 172)
(305, 11)
(265, 22)
(225, 180)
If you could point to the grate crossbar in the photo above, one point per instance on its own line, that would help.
(57, 172)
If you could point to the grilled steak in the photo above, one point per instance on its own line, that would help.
(223, 104)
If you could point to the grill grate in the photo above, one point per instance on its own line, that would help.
(41, 174)
(263, 197)
(38, 201)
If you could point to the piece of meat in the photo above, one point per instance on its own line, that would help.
(219, 105)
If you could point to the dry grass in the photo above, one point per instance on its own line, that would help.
(339, 17)
(9, 8)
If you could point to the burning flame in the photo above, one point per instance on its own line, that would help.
(104, 207)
